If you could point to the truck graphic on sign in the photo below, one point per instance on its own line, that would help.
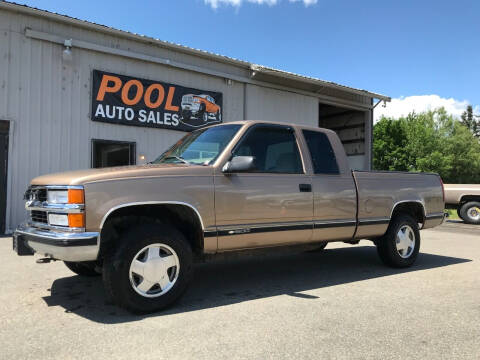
(201, 107)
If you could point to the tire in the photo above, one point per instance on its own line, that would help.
(394, 251)
(124, 285)
(86, 268)
(470, 212)
(205, 116)
(321, 246)
(217, 116)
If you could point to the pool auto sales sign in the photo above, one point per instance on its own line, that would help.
(134, 101)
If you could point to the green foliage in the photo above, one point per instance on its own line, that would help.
(432, 141)
(471, 121)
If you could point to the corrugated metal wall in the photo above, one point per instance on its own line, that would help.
(47, 101)
(275, 105)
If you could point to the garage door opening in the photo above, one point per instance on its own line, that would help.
(106, 153)
(350, 127)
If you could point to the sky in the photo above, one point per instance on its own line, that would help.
(423, 54)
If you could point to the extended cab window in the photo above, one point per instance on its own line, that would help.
(274, 148)
(321, 151)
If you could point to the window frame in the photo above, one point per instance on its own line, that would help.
(272, 126)
(132, 144)
(339, 171)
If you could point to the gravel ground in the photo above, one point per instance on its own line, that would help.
(341, 303)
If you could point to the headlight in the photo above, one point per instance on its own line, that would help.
(57, 196)
(58, 219)
(70, 196)
(70, 220)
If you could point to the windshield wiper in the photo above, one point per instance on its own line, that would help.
(179, 158)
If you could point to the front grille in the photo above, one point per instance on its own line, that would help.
(39, 216)
(36, 194)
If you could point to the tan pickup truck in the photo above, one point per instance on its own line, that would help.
(245, 186)
(466, 199)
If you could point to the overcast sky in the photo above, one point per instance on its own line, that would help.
(423, 54)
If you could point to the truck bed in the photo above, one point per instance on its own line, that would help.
(380, 191)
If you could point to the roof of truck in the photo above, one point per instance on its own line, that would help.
(298, 126)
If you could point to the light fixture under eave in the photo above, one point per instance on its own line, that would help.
(67, 52)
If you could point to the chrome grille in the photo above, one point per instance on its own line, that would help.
(39, 216)
(187, 99)
(36, 194)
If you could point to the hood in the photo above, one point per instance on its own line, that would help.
(81, 177)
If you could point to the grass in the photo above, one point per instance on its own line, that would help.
(453, 214)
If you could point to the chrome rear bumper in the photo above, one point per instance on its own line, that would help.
(68, 246)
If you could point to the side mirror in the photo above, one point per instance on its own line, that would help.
(239, 164)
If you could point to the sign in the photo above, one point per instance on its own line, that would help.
(133, 101)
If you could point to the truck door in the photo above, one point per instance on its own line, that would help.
(271, 205)
(334, 193)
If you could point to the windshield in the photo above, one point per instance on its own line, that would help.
(200, 147)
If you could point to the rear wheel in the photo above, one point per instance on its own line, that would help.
(319, 247)
(86, 268)
(400, 245)
(150, 269)
(470, 212)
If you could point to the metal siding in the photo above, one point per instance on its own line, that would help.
(276, 105)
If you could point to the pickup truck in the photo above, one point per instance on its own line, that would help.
(239, 187)
(466, 199)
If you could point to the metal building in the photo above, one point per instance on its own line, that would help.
(59, 88)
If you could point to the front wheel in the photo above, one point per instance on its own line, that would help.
(205, 116)
(470, 212)
(400, 245)
(150, 269)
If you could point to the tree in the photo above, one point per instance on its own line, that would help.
(432, 141)
(471, 121)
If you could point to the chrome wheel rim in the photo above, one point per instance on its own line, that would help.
(154, 270)
(405, 241)
(205, 116)
(474, 213)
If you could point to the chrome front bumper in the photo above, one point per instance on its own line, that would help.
(68, 246)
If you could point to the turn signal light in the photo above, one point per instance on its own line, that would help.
(76, 220)
(76, 196)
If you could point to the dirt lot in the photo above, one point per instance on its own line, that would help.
(342, 303)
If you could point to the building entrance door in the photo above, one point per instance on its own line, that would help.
(4, 130)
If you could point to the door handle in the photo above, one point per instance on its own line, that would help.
(305, 187)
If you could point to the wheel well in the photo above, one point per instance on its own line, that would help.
(412, 208)
(468, 198)
(182, 217)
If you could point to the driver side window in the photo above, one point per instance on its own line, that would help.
(274, 148)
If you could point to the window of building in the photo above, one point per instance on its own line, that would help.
(106, 153)
(274, 148)
(321, 151)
